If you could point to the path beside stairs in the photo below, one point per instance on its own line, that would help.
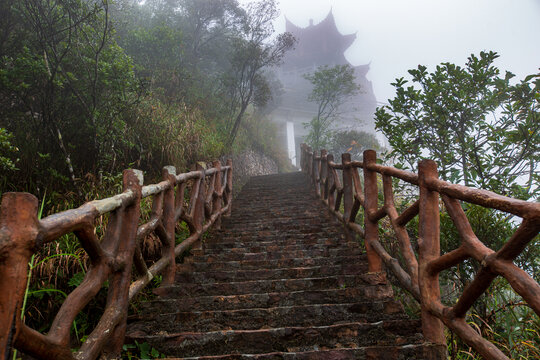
(279, 281)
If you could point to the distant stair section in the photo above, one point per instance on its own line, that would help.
(279, 281)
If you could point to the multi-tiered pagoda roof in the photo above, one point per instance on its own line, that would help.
(321, 44)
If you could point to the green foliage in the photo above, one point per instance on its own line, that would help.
(332, 87)
(353, 142)
(140, 351)
(93, 87)
(6, 150)
(480, 129)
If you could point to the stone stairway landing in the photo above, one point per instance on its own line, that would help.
(278, 281)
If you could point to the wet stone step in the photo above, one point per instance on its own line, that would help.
(268, 300)
(265, 274)
(253, 248)
(248, 233)
(273, 236)
(406, 352)
(212, 265)
(288, 339)
(237, 256)
(259, 318)
(279, 280)
(226, 244)
(266, 286)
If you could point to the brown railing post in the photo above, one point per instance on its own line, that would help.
(302, 157)
(18, 231)
(323, 174)
(371, 193)
(330, 195)
(229, 189)
(218, 195)
(198, 214)
(429, 249)
(315, 173)
(347, 193)
(118, 295)
(309, 161)
(169, 223)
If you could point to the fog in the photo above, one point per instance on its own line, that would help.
(397, 35)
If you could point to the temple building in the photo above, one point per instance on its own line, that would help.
(319, 44)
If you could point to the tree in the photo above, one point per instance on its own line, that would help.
(64, 84)
(251, 54)
(481, 130)
(353, 142)
(332, 87)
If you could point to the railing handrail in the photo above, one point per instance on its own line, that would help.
(420, 276)
(22, 234)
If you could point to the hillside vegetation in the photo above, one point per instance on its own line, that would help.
(91, 87)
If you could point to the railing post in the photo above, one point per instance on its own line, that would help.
(347, 193)
(198, 214)
(429, 249)
(371, 193)
(18, 231)
(309, 161)
(331, 199)
(168, 221)
(118, 295)
(323, 173)
(218, 195)
(229, 189)
(315, 173)
(302, 157)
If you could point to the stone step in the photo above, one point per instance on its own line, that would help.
(267, 286)
(213, 265)
(275, 248)
(271, 233)
(272, 273)
(268, 300)
(227, 244)
(275, 317)
(405, 352)
(287, 339)
(201, 256)
(279, 280)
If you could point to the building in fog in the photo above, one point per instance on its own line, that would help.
(319, 44)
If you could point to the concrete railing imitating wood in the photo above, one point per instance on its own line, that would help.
(111, 258)
(421, 274)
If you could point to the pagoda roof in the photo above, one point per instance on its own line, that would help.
(318, 44)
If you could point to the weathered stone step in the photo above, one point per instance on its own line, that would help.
(271, 233)
(201, 256)
(405, 352)
(275, 248)
(267, 286)
(272, 273)
(213, 265)
(288, 339)
(268, 300)
(281, 241)
(276, 317)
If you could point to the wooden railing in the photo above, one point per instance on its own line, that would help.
(111, 258)
(420, 277)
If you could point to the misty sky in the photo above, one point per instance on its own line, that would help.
(397, 35)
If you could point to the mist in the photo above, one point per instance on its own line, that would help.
(394, 35)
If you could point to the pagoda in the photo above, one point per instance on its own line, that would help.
(317, 45)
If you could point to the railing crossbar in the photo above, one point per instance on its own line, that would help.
(111, 258)
(420, 276)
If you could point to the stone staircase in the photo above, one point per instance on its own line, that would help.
(279, 281)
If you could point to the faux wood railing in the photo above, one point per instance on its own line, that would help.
(111, 258)
(421, 274)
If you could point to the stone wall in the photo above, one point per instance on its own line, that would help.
(250, 163)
